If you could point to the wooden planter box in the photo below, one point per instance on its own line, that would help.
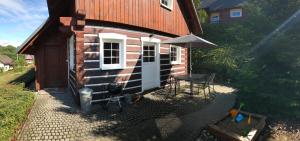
(226, 129)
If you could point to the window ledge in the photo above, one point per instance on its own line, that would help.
(176, 63)
(108, 67)
(167, 7)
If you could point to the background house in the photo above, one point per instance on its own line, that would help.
(223, 11)
(6, 63)
(29, 59)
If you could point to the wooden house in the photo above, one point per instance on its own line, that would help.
(91, 43)
(6, 63)
(224, 11)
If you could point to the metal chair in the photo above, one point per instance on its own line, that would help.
(115, 91)
(172, 84)
(211, 81)
(207, 84)
(203, 86)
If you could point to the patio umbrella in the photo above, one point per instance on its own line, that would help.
(190, 41)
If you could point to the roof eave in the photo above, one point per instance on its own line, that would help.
(197, 18)
(32, 38)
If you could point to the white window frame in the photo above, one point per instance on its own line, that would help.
(170, 6)
(71, 44)
(178, 57)
(215, 15)
(115, 38)
(236, 10)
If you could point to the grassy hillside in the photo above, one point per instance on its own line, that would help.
(15, 101)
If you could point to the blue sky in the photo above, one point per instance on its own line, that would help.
(19, 18)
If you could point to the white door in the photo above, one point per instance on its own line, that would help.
(150, 66)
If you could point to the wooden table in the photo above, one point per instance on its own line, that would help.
(190, 78)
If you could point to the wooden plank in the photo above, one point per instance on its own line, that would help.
(100, 72)
(97, 9)
(105, 10)
(143, 13)
(101, 5)
(87, 8)
(92, 9)
(108, 78)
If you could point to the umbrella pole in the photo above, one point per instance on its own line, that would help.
(190, 59)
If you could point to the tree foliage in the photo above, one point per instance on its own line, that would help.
(270, 83)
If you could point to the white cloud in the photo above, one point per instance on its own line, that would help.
(19, 11)
(15, 6)
(20, 18)
(13, 43)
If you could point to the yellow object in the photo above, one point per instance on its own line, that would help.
(233, 112)
(249, 119)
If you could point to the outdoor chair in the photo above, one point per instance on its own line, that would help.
(172, 85)
(207, 83)
(203, 85)
(115, 92)
(211, 81)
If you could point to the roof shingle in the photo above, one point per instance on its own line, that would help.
(214, 5)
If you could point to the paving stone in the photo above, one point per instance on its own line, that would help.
(56, 116)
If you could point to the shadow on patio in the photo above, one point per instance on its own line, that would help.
(154, 117)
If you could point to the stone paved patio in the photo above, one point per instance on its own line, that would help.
(55, 116)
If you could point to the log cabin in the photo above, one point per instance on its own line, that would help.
(91, 43)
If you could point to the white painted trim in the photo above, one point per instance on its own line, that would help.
(87, 44)
(133, 60)
(113, 37)
(151, 40)
(91, 69)
(130, 52)
(90, 35)
(164, 48)
(101, 84)
(170, 7)
(129, 38)
(91, 52)
(240, 10)
(107, 76)
(133, 46)
(179, 55)
(89, 61)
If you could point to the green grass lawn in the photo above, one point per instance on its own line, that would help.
(15, 101)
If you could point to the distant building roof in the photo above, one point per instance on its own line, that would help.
(29, 57)
(6, 60)
(214, 5)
